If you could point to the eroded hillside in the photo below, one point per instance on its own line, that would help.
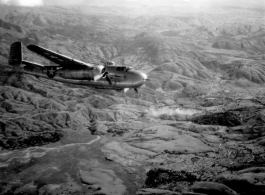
(197, 127)
(86, 141)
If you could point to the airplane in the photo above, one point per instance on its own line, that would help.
(66, 69)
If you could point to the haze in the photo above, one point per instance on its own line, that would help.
(238, 3)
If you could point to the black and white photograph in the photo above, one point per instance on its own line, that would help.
(132, 97)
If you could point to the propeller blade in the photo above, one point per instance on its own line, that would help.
(136, 90)
(97, 77)
(108, 79)
(126, 89)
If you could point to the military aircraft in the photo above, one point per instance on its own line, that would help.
(66, 69)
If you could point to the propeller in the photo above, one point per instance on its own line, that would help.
(107, 78)
(104, 75)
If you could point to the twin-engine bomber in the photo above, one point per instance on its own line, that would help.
(69, 70)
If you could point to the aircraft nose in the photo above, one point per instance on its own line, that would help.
(138, 78)
(143, 75)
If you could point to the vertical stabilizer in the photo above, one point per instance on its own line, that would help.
(15, 54)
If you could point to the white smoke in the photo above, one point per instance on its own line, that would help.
(169, 111)
(30, 3)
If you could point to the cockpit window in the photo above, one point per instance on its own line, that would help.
(124, 69)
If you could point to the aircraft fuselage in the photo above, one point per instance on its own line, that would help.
(120, 76)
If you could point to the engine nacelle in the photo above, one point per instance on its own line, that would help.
(99, 69)
(82, 74)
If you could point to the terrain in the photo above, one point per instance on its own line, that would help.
(197, 127)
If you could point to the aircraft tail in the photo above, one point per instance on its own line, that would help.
(15, 54)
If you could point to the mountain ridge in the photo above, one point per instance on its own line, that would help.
(196, 126)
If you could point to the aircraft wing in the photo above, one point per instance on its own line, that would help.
(57, 58)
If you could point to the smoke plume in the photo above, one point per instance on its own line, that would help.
(168, 111)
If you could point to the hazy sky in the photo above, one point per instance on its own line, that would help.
(242, 3)
(23, 2)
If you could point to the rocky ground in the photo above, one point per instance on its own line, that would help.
(197, 128)
(61, 139)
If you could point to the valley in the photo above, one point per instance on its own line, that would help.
(197, 127)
